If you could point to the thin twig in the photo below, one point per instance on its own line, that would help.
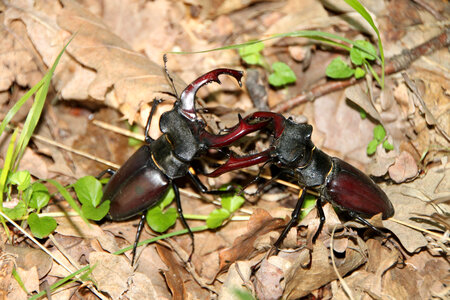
(119, 130)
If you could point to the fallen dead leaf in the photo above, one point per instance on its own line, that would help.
(269, 279)
(123, 78)
(6, 268)
(238, 275)
(76, 227)
(381, 162)
(34, 163)
(416, 197)
(173, 273)
(301, 280)
(111, 273)
(404, 168)
(260, 223)
(30, 257)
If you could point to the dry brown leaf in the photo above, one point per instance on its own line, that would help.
(173, 274)
(432, 272)
(211, 9)
(298, 16)
(103, 68)
(260, 223)
(17, 62)
(111, 273)
(345, 132)
(143, 288)
(76, 227)
(34, 163)
(301, 280)
(269, 279)
(29, 278)
(30, 257)
(404, 168)
(15, 291)
(369, 282)
(361, 98)
(6, 268)
(381, 161)
(238, 274)
(415, 197)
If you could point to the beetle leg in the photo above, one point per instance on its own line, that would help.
(155, 103)
(321, 218)
(109, 171)
(183, 220)
(294, 219)
(138, 236)
(365, 222)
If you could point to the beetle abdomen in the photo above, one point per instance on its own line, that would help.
(350, 189)
(136, 186)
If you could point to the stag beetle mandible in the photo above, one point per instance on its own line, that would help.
(335, 180)
(146, 176)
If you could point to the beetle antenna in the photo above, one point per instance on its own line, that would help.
(168, 75)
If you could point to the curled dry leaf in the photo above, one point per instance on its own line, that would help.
(381, 162)
(404, 168)
(358, 96)
(269, 279)
(173, 273)
(178, 279)
(260, 223)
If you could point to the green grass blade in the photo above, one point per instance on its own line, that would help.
(4, 176)
(36, 110)
(19, 280)
(62, 190)
(7, 165)
(374, 74)
(19, 104)
(363, 12)
(312, 34)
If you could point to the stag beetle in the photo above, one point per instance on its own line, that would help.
(146, 176)
(336, 181)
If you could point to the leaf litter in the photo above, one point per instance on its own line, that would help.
(121, 69)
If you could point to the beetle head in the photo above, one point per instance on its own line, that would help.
(294, 147)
